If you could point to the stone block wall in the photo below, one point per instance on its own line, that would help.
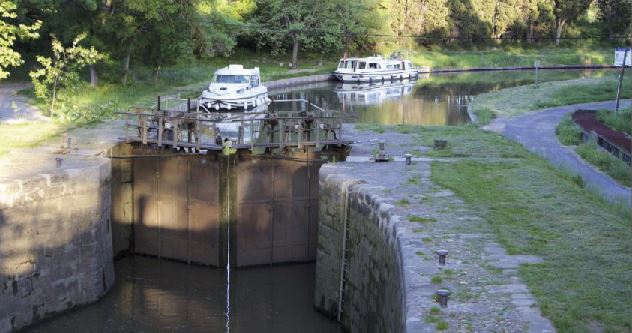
(373, 293)
(55, 243)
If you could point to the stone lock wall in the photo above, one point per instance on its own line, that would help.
(366, 267)
(55, 243)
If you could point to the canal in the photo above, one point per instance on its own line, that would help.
(152, 295)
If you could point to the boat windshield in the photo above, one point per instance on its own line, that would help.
(232, 79)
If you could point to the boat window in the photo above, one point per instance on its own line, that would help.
(341, 64)
(232, 79)
(390, 66)
(353, 64)
(373, 65)
(396, 66)
(362, 65)
(254, 81)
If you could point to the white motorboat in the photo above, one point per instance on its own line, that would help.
(374, 69)
(234, 87)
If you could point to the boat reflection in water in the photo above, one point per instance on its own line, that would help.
(403, 102)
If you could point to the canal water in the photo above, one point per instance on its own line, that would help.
(152, 295)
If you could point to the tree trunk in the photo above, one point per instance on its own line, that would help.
(156, 73)
(559, 24)
(295, 52)
(530, 33)
(94, 79)
(126, 64)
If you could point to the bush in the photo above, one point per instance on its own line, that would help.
(568, 132)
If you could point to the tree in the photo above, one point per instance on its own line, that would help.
(312, 24)
(613, 14)
(566, 11)
(62, 70)
(9, 33)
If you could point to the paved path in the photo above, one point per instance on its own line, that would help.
(536, 131)
(14, 107)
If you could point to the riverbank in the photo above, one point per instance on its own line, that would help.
(510, 102)
(477, 192)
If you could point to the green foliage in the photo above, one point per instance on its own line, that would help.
(442, 326)
(611, 14)
(9, 32)
(402, 202)
(621, 121)
(568, 132)
(62, 71)
(434, 310)
(603, 160)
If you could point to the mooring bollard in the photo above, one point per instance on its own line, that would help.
(409, 159)
(58, 162)
(381, 155)
(442, 297)
(442, 254)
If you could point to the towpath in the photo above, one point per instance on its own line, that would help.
(536, 132)
(14, 107)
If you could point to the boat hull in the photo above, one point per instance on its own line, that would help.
(376, 76)
(233, 103)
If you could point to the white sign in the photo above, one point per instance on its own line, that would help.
(618, 56)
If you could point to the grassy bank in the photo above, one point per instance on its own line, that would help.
(585, 281)
(517, 100)
(569, 134)
(510, 56)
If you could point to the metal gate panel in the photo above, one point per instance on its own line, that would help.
(254, 234)
(204, 210)
(290, 231)
(173, 218)
(204, 233)
(254, 181)
(145, 206)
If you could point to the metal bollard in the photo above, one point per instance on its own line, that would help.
(442, 297)
(58, 162)
(442, 254)
(409, 159)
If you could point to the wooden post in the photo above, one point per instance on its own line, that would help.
(158, 103)
(625, 54)
(281, 133)
(160, 130)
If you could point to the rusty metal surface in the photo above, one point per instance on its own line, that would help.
(179, 213)
(172, 208)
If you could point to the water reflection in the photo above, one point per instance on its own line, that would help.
(437, 100)
(154, 295)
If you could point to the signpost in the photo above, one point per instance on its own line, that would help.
(621, 58)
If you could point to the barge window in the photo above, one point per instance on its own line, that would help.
(232, 79)
(362, 65)
(373, 65)
(254, 81)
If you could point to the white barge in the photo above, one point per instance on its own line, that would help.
(234, 88)
(373, 69)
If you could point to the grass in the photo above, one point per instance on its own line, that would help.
(402, 202)
(421, 219)
(514, 101)
(28, 134)
(442, 326)
(567, 132)
(509, 56)
(436, 279)
(585, 280)
(606, 162)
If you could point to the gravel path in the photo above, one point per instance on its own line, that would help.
(14, 107)
(536, 132)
